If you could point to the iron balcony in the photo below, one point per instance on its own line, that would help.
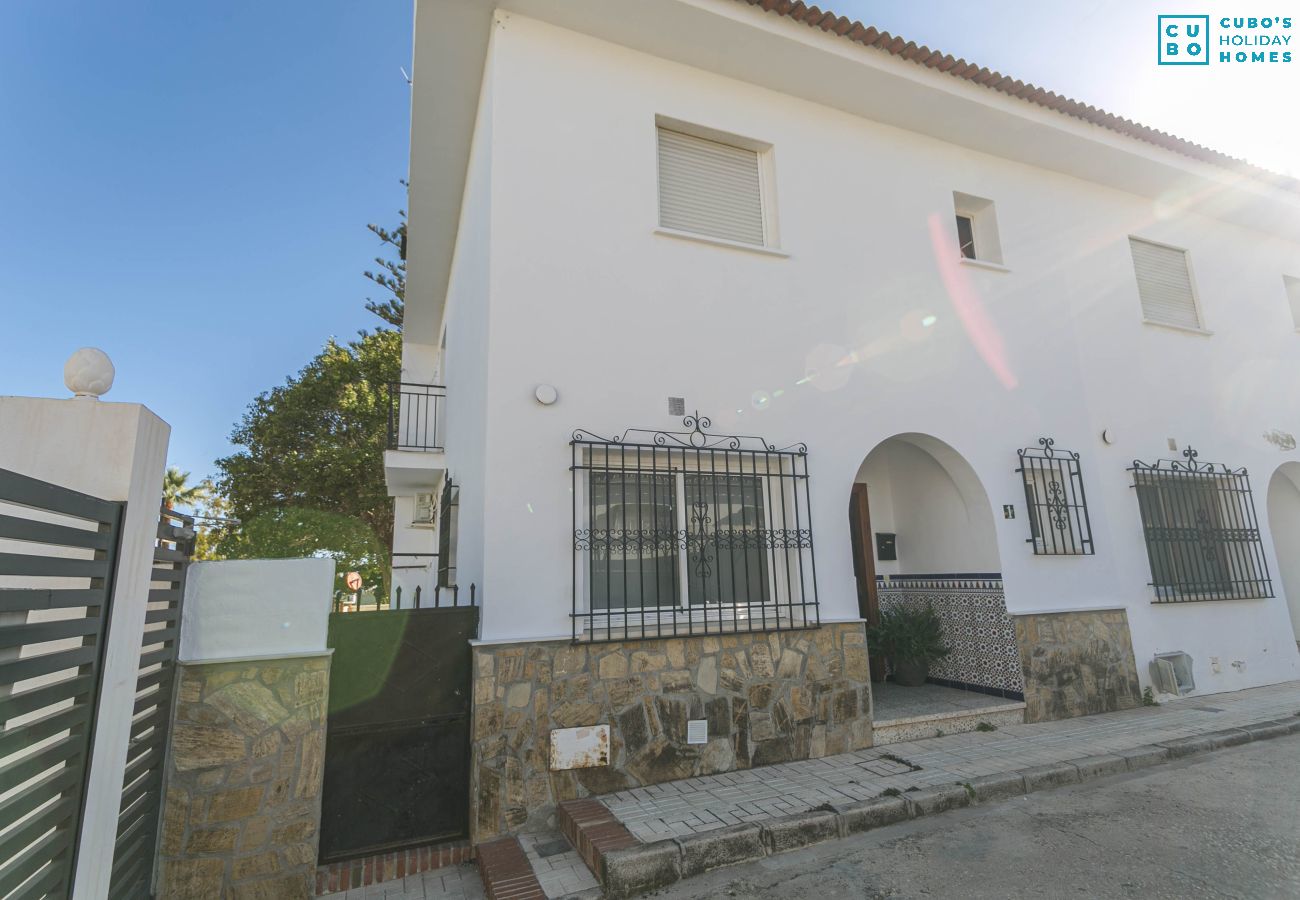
(415, 413)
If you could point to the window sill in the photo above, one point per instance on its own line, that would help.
(721, 242)
(1186, 329)
(982, 264)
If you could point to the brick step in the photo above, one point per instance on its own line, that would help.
(593, 831)
(380, 867)
(506, 872)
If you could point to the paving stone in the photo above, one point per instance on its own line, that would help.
(1141, 757)
(863, 815)
(1099, 766)
(1180, 747)
(635, 870)
(800, 830)
(720, 847)
(1038, 778)
(1266, 730)
(1002, 786)
(929, 801)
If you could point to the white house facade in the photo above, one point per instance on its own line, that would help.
(958, 342)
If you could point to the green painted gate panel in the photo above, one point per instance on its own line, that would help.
(397, 744)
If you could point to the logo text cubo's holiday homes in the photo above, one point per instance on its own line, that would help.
(1186, 40)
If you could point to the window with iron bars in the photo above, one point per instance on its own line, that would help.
(1054, 496)
(1202, 535)
(448, 514)
(682, 533)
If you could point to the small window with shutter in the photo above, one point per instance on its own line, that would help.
(1164, 279)
(712, 187)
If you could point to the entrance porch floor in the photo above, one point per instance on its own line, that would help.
(931, 710)
(892, 702)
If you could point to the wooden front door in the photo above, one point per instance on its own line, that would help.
(864, 566)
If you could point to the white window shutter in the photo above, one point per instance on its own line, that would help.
(710, 188)
(1164, 284)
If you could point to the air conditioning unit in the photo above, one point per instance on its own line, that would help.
(426, 510)
(1172, 673)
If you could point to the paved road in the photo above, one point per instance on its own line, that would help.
(1226, 824)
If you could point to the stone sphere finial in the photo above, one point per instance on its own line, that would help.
(88, 373)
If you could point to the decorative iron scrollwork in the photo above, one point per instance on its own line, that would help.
(695, 437)
(1202, 535)
(689, 532)
(1054, 497)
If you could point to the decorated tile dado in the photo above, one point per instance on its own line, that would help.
(976, 626)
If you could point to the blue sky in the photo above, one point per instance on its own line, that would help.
(186, 185)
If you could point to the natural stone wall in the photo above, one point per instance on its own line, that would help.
(768, 698)
(1077, 663)
(242, 805)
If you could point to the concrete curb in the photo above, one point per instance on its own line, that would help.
(646, 867)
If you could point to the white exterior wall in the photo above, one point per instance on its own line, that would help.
(584, 295)
(462, 368)
(469, 341)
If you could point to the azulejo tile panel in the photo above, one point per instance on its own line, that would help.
(975, 624)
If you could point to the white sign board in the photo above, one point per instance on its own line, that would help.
(579, 748)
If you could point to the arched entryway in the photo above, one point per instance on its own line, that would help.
(1284, 523)
(923, 532)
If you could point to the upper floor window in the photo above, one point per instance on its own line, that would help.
(1164, 278)
(1292, 285)
(977, 228)
(714, 185)
(966, 235)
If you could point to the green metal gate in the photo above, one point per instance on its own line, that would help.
(58, 553)
(397, 745)
(142, 783)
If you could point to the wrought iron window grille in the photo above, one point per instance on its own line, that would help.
(1054, 496)
(689, 532)
(1202, 535)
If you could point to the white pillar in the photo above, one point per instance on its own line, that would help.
(115, 451)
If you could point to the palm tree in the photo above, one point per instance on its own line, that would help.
(177, 493)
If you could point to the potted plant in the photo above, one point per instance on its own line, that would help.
(911, 639)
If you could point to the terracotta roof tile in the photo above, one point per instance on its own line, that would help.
(869, 36)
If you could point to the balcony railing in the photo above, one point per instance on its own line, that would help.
(415, 416)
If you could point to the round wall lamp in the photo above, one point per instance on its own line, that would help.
(1107, 436)
(546, 394)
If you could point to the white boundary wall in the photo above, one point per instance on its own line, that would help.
(118, 452)
(256, 608)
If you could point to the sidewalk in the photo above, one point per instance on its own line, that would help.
(681, 808)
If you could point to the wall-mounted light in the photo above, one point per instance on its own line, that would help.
(546, 394)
